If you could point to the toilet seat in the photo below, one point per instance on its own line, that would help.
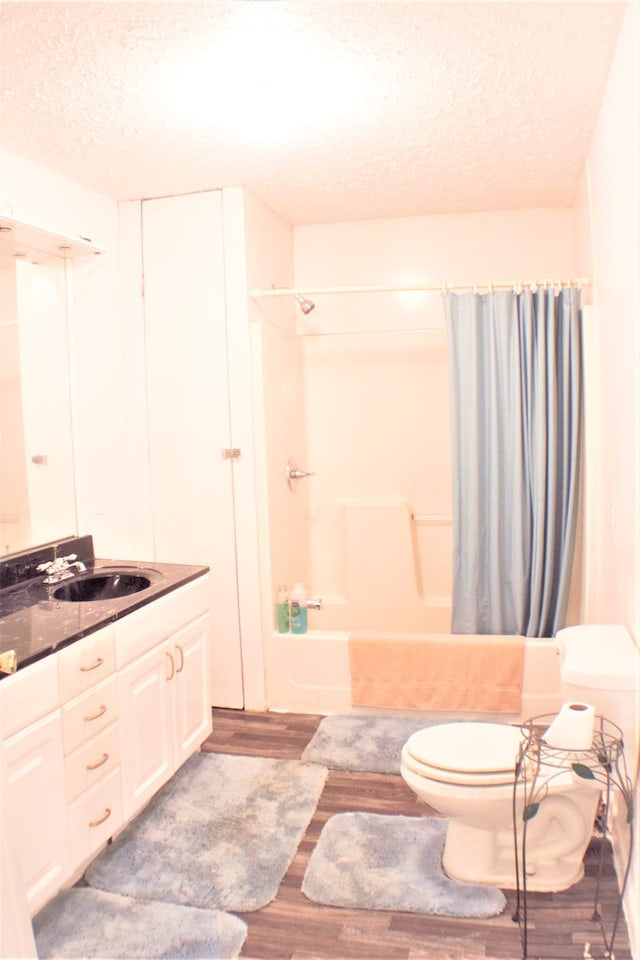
(472, 754)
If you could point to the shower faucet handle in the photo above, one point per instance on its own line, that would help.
(293, 473)
(299, 474)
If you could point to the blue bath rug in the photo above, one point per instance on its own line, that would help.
(84, 923)
(369, 861)
(220, 834)
(362, 743)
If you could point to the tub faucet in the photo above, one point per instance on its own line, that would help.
(61, 568)
(315, 604)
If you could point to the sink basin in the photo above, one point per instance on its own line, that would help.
(101, 586)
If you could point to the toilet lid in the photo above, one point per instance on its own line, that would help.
(482, 751)
(449, 777)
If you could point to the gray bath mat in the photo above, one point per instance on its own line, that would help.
(363, 744)
(372, 862)
(220, 834)
(84, 923)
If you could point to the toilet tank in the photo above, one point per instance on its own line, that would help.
(600, 664)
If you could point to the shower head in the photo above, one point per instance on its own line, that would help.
(305, 305)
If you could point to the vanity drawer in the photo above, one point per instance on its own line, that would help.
(86, 662)
(92, 761)
(87, 715)
(95, 816)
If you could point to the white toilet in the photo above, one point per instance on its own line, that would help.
(466, 772)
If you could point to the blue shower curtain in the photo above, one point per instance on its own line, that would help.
(515, 363)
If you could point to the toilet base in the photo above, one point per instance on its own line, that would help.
(552, 853)
(497, 868)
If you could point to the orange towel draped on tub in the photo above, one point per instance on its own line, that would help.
(437, 671)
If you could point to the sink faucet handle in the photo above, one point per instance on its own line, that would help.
(61, 568)
(60, 563)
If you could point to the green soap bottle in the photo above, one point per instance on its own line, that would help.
(283, 609)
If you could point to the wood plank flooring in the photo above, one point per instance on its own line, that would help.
(294, 928)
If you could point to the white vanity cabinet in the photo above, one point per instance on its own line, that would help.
(90, 733)
(164, 698)
(34, 803)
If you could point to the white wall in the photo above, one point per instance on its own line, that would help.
(608, 217)
(607, 212)
(277, 413)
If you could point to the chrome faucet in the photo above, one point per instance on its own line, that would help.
(61, 568)
(315, 604)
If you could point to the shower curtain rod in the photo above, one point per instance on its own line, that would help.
(489, 285)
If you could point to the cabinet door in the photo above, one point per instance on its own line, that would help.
(145, 720)
(16, 934)
(35, 807)
(190, 688)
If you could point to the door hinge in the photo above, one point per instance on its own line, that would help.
(231, 453)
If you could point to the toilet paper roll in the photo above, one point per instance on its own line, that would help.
(572, 728)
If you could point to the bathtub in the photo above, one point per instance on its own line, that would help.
(310, 673)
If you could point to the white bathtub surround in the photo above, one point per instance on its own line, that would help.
(402, 587)
(311, 674)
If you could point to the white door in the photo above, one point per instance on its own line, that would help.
(189, 421)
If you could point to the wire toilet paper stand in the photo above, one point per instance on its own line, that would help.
(602, 763)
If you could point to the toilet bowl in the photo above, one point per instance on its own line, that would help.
(466, 772)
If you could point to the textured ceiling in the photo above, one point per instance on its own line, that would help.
(325, 110)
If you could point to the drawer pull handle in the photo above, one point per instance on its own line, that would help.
(181, 651)
(105, 816)
(99, 763)
(173, 667)
(98, 663)
(95, 716)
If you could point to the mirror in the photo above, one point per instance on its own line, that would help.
(37, 489)
(37, 493)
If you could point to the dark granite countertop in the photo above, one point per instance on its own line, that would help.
(35, 625)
